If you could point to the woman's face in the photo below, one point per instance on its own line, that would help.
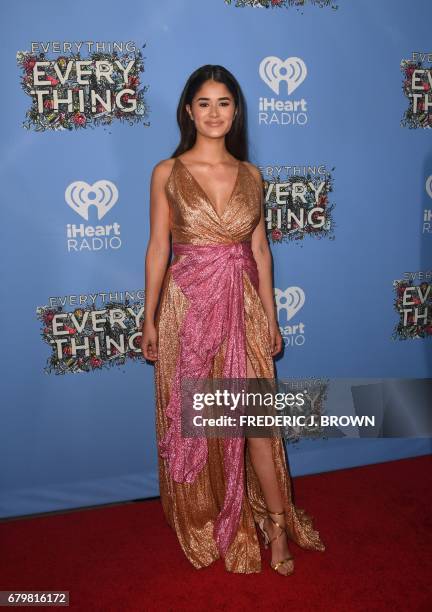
(212, 109)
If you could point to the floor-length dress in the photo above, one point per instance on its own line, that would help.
(210, 493)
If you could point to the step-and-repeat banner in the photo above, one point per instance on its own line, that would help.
(339, 107)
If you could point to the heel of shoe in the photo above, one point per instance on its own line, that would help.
(288, 562)
(264, 533)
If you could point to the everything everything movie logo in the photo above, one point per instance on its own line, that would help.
(297, 202)
(417, 86)
(413, 303)
(298, 4)
(93, 331)
(74, 85)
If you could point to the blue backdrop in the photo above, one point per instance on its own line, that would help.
(78, 432)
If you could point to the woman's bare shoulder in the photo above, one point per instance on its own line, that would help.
(162, 170)
(255, 172)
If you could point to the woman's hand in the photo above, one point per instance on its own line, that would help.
(149, 341)
(276, 341)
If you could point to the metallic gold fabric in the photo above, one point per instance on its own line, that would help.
(191, 508)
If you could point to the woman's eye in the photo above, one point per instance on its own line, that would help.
(202, 104)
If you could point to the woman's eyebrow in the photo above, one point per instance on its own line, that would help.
(223, 98)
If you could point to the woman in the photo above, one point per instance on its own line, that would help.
(216, 318)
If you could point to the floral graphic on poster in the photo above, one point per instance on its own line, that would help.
(92, 337)
(298, 206)
(298, 4)
(417, 85)
(315, 406)
(71, 92)
(413, 303)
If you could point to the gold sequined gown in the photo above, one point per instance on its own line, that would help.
(191, 508)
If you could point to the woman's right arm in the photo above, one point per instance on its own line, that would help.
(157, 255)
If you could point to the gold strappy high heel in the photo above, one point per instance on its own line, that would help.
(288, 561)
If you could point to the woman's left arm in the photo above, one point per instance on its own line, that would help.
(263, 258)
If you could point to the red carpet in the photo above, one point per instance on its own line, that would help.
(374, 520)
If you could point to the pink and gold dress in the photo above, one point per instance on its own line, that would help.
(210, 318)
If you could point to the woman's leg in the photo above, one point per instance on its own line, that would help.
(260, 453)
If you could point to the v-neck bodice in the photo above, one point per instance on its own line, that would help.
(193, 217)
(221, 214)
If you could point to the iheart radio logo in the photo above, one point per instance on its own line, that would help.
(291, 301)
(429, 186)
(103, 195)
(80, 196)
(273, 71)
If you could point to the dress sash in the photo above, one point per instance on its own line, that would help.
(211, 277)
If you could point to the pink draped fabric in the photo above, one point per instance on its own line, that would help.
(211, 277)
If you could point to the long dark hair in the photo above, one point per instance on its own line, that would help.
(236, 138)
